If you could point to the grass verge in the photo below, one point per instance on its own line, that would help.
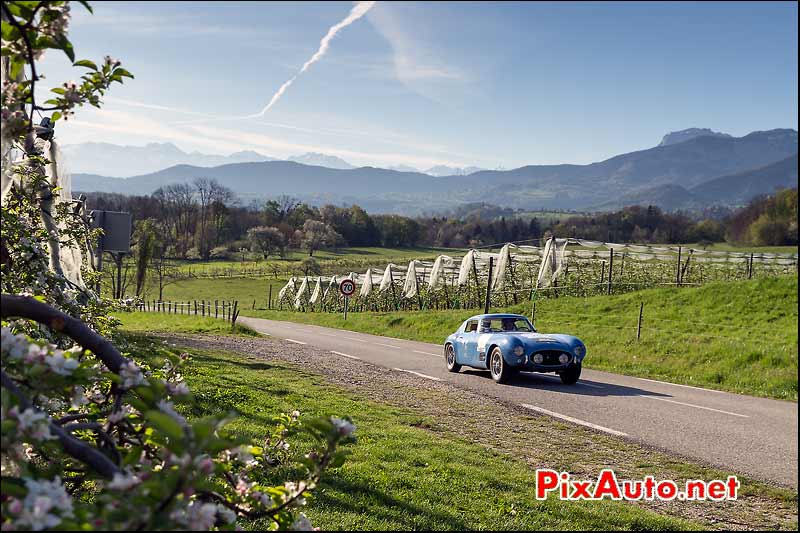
(149, 322)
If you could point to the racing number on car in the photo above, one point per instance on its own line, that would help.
(347, 287)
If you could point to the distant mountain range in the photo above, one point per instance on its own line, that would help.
(124, 161)
(704, 169)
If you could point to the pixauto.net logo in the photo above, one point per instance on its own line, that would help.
(608, 486)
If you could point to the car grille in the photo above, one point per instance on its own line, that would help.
(550, 357)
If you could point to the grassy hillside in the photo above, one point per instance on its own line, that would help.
(736, 336)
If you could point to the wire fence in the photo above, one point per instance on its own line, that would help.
(224, 309)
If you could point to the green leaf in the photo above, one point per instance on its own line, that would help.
(9, 32)
(165, 424)
(338, 458)
(15, 69)
(58, 90)
(55, 116)
(123, 72)
(85, 63)
(86, 5)
(63, 43)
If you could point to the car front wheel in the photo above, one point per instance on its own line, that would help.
(450, 358)
(571, 374)
(501, 372)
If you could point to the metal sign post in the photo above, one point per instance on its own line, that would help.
(347, 287)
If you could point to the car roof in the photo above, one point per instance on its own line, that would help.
(496, 315)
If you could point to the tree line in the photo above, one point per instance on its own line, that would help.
(205, 220)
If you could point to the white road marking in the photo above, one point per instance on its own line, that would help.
(296, 342)
(346, 355)
(418, 374)
(427, 353)
(574, 420)
(681, 385)
(353, 339)
(693, 405)
(389, 345)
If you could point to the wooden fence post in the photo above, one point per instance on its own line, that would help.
(235, 313)
(610, 269)
(639, 324)
(678, 269)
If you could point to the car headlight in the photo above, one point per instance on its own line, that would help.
(538, 358)
(580, 350)
(519, 351)
(563, 359)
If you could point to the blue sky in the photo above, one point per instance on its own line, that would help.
(486, 84)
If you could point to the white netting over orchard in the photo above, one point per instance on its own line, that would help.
(568, 266)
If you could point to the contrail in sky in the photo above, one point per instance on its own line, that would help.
(358, 11)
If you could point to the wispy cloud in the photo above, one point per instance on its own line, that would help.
(211, 139)
(414, 59)
(382, 136)
(358, 11)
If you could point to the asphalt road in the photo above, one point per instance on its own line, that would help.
(743, 434)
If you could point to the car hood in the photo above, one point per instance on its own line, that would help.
(545, 341)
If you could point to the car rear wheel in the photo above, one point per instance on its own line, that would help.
(501, 372)
(450, 358)
(571, 374)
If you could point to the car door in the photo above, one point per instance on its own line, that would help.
(469, 355)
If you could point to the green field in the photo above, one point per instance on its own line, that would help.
(342, 257)
(235, 280)
(735, 336)
(416, 466)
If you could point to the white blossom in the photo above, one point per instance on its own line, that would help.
(78, 397)
(227, 515)
(178, 389)
(15, 346)
(344, 427)
(131, 375)
(243, 455)
(61, 365)
(120, 414)
(168, 408)
(124, 481)
(45, 498)
(196, 516)
(32, 422)
(302, 523)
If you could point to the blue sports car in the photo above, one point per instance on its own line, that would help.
(505, 344)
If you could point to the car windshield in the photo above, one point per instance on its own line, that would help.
(507, 324)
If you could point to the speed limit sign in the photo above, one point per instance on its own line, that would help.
(347, 287)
